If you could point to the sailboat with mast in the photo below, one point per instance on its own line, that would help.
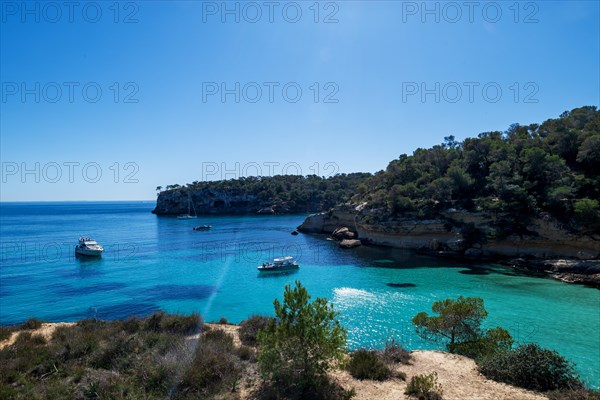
(190, 207)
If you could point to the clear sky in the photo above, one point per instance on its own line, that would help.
(106, 101)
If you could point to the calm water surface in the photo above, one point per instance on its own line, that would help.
(153, 263)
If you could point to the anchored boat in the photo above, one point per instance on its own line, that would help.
(282, 264)
(190, 207)
(88, 247)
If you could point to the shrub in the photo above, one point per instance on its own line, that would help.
(531, 367)
(424, 387)
(218, 338)
(214, 367)
(223, 321)
(132, 325)
(249, 329)
(246, 353)
(395, 353)
(181, 324)
(368, 364)
(32, 323)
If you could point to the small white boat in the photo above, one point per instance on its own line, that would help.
(282, 264)
(202, 227)
(88, 247)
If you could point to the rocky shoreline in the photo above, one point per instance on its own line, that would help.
(218, 202)
(548, 248)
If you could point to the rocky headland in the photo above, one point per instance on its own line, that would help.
(211, 201)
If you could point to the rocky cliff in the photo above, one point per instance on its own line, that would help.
(210, 201)
(546, 240)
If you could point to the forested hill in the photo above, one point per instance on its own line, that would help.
(281, 194)
(527, 171)
(551, 168)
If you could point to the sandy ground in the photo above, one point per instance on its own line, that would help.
(457, 375)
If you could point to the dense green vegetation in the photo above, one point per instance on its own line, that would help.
(302, 193)
(523, 172)
(368, 364)
(531, 367)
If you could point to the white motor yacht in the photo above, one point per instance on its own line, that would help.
(88, 247)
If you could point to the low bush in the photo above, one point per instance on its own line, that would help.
(31, 324)
(395, 353)
(135, 358)
(214, 368)
(247, 353)
(223, 321)
(424, 387)
(174, 323)
(182, 324)
(218, 338)
(401, 375)
(368, 364)
(250, 327)
(531, 367)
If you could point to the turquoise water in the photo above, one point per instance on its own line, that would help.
(153, 263)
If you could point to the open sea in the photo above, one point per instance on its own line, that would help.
(155, 263)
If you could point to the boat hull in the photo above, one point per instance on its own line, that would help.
(267, 270)
(88, 252)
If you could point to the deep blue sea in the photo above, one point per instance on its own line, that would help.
(158, 263)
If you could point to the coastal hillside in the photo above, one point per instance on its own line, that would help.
(530, 192)
(281, 194)
(457, 374)
(548, 169)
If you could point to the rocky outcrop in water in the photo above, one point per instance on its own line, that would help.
(586, 272)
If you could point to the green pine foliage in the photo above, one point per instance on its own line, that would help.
(514, 175)
(458, 325)
(303, 342)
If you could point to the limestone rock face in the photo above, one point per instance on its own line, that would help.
(209, 201)
(343, 233)
(350, 243)
(547, 239)
(328, 222)
(313, 224)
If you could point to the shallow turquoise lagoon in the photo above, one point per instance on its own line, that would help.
(153, 263)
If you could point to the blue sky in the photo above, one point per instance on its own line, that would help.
(159, 116)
